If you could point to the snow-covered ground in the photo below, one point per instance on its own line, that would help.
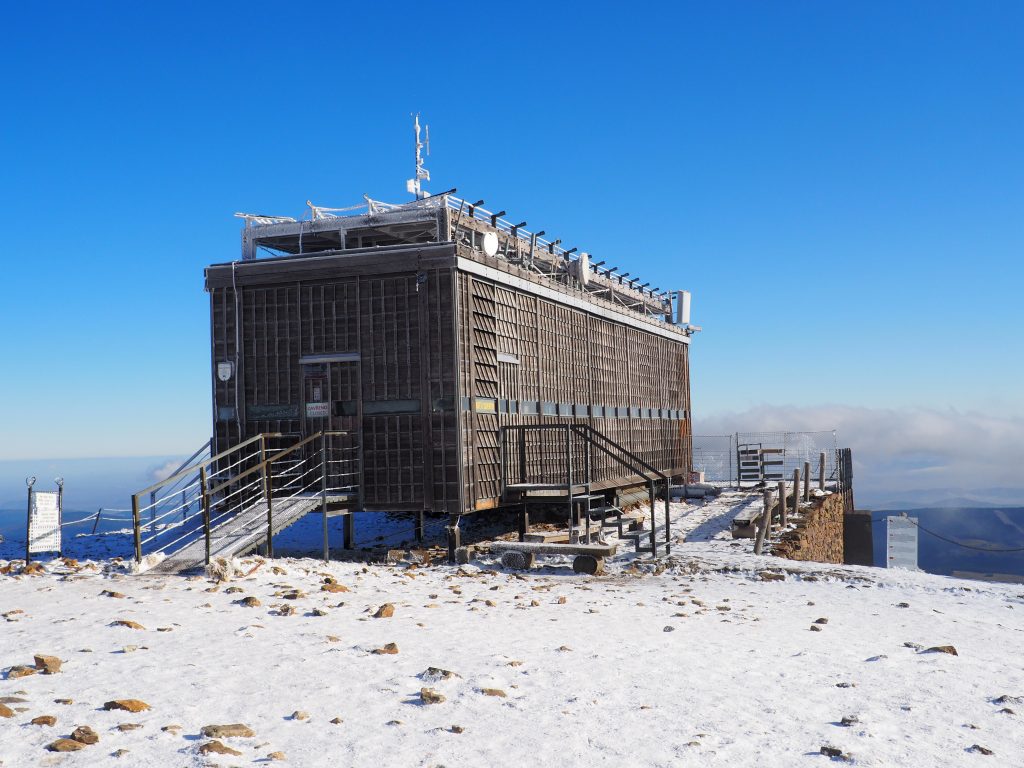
(701, 658)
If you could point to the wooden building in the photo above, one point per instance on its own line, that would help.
(421, 329)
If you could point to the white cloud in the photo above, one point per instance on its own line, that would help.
(165, 470)
(902, 450)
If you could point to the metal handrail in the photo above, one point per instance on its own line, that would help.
(633, 463)
(248, 492)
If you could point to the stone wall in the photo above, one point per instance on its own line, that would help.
(818, 535)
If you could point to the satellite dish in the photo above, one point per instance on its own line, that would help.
(581, 269)
(490, 244)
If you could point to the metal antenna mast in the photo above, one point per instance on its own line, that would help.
(412, 186)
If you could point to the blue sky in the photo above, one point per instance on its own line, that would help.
(841, 185)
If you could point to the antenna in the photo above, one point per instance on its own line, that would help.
(412, 186)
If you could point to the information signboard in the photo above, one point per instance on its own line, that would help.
(901, 542)
(44, 522)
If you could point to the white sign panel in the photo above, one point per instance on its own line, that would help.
(901, 542)
(318, 410)
(44, 523)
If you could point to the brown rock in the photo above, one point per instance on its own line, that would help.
(299, 714)
(171, 728)
(126, 623)
(389, 649)
(286, 610)
(110, 593)
(227, 731)
(430, 696)
(215, 747)
(386, 611)
(318, 612)
(6, 711)
(980, 749)
(494, 692)
(249, 602)
(436, 674)
(233, 590)
(941, 649)
(48, 665)
(128, 705)
(336, 721)
(123, 727)
(65, 745)
(562, 600)
(822, 620)
(119, 753)
(64, 701)
(44, 720)
(815, 628)
(333, 587)
(276, 756)
(457, 729)
(85, 735)
(20, 670)
(771, 576)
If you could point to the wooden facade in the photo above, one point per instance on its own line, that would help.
(422, 348)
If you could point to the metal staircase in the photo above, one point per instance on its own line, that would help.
(232, 502)
(554, 464)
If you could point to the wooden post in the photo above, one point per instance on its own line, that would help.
(796, 492)
(821, 471)
(524, 523)
(323, 493)
(268, 496)
(28, 521)
(206, 509)
(782, 503)
(766, 522)
(807, 481)
(137, 529)
(349, 535)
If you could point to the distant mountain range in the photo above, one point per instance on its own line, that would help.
(939, 498)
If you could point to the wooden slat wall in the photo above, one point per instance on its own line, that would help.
(569, 357)
(403, 327)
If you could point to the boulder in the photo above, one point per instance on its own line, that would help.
(48, 720)
(20, 670)
(126, 623)
(65, 745)
(48, 665)
(227, 731)
(430, 696)
(386, 611)
(389, 649)
(85, 735)
(217, 748)
(128, 705)
(6, 711)
(941, 649)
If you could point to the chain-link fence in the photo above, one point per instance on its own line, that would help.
(748, 458)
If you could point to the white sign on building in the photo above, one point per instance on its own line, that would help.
(44, 522)
(901, 542)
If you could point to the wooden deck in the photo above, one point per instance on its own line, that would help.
(238, 535)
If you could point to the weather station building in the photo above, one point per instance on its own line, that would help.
(423, 328)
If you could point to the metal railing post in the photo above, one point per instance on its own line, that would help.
(522, 454)
(568, 479)
(268, 496)
(807, 481)
(503, 455)
(206, 510)
(323, 490)
(668, 522)
(137, 526)
(152, 505)
(654, 535)
(782, 503)
(821, 471)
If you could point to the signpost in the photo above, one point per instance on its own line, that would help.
(901, 542)
(45, 510)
